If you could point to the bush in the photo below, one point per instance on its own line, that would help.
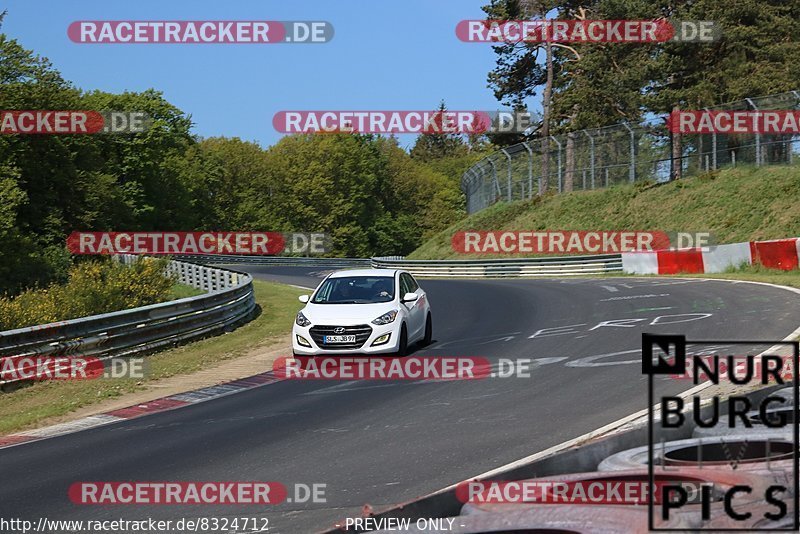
(94, 287)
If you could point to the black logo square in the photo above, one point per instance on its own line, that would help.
(673, 345)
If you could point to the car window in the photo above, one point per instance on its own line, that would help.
(412, 284)
(355, 290)
(405, 286)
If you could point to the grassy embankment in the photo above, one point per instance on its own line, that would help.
(734, 205)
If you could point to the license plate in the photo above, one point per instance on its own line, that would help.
(340, 339)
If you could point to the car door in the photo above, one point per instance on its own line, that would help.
(416, 311)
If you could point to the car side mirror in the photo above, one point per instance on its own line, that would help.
(303, 298)
(409, 297)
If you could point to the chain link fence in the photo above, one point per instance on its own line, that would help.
(622, 153)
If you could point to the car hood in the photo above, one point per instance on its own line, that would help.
(346, 314)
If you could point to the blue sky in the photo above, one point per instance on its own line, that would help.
(385, 55)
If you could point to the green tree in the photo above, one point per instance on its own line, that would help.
(429, 146)
(329, 183)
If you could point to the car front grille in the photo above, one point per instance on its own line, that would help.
(361, 331)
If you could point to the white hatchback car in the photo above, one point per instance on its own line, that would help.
(366, 311)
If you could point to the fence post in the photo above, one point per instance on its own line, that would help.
(530, 169)
(504, 151)
(591, 158)
(468, 185)
(556, 141)
(465, 188)
(758, 135)
(494, 177)
(713, 146)
(632, 164)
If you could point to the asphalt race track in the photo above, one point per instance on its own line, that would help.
(387, 442)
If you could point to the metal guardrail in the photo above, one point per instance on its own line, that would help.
(498, 268)
(275, 260)
(506, 268)
(229, 301)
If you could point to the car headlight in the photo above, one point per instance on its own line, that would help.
(301, 319)
(386, 318)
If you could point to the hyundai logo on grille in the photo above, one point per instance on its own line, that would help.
(338, 330)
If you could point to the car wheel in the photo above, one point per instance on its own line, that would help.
(428, 331)
(402, 348)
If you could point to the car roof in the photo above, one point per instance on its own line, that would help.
(364, 272)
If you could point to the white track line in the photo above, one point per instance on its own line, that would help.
(628, 420)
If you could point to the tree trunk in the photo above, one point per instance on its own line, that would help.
(569, 178)
(546, 100)
(676, 163)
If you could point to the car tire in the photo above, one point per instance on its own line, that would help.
(428, 331)
(402, 347)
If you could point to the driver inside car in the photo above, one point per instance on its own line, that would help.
(382, 289)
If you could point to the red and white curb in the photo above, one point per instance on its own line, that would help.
(781, 254)
(131, 412)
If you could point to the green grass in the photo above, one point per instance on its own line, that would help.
(740, 204)
(182, 291)
(756, 273)
(28, 406)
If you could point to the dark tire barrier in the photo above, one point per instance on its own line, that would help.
(787, 394)
(781, 418)
(757, 520)
(766, 454)
(690, 478)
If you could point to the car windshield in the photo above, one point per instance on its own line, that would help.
(355, 290)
